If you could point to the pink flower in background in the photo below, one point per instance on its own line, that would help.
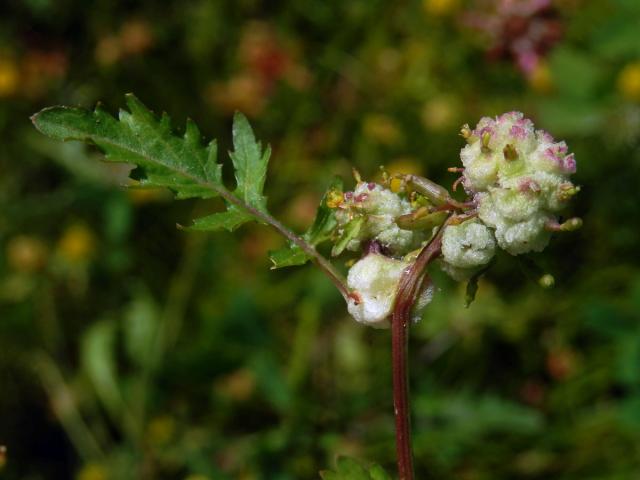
(523, 31)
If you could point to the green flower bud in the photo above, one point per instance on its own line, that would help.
(468, 245)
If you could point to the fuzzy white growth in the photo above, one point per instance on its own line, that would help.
(375, 278)
(468, 245)
(381, 207)
(520, 179)
(515, 233)
(424, 299)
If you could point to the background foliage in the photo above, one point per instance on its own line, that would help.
(130, 349)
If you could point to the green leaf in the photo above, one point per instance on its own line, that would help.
(350, 469)
(288, 257)
(140, 328)
(138, 137)
(164, 159)
(321, 230)
(98, 361)
(376, 472)
(472, 289)
(351, 231)
(229, 220)
(250, 163)
(472, 286)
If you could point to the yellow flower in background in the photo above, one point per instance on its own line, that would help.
(629, 82)
(161, 430)
(439, 7)
(9, 77)
(439, 113)
(197, 477)
(92, 471)
(540, 79)
(382, 129)
(77, 243)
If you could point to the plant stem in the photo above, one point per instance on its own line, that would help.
(322, 263)
(410, 284)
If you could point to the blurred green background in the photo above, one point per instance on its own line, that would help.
(132, 350)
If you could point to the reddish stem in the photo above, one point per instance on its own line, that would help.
(410, 284)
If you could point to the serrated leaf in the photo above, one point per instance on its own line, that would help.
(321, 230)
(164, 159)
(288, 257)
(351, 231)
(138, 137)
(229, 220)
(250, 163)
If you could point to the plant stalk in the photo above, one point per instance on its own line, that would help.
(411, 283)
(321, 262)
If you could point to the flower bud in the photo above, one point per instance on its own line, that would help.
(468, 245)
(547, 281)
(380, 208)
(374, 280)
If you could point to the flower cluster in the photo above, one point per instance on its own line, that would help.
(376, 209)
(466, 248)
(517, 180)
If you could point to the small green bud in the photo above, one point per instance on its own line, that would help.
(466, 133)
(571, 225)
(566, 191)
(547, 281)
(468, 245)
